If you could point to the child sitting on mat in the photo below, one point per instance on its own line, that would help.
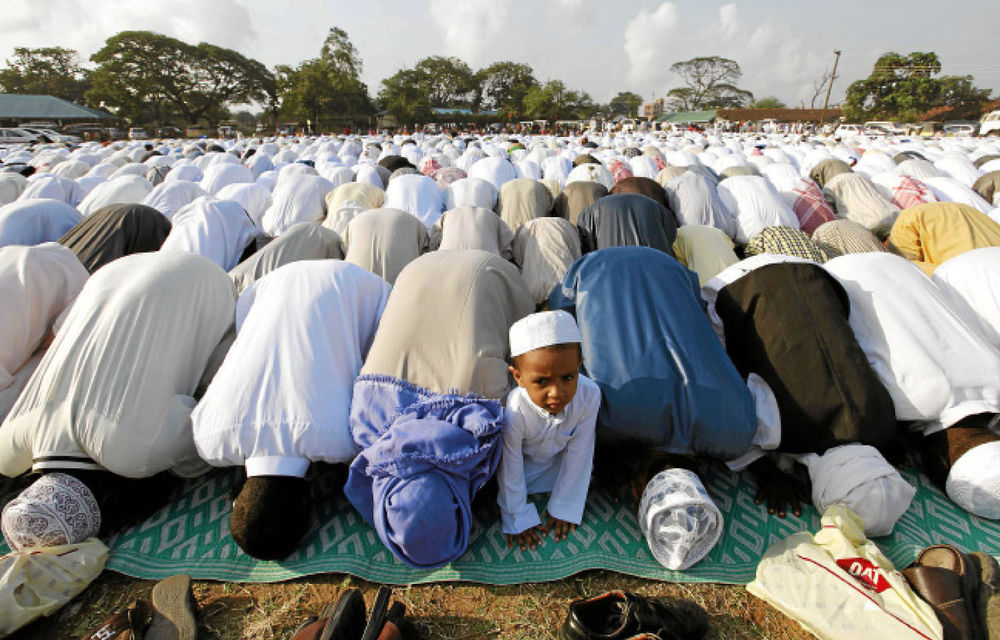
(549, 428)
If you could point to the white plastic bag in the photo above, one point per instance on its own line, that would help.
(36, 582)
(839, 586)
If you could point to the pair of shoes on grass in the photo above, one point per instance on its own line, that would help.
(170, 615)
(348, 620)
(620, 615)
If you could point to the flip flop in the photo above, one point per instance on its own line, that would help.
(313, 626)
(131, 621)
(377, 619)
(348, 618)
(395, 627)
(173, 618)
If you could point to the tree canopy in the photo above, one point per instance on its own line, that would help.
(553, 101)
(711, 84)
(903, 87)
(146, 76)
(504, 85)
(327, 88)
(770, 102)
(625, 103)
(53, 71)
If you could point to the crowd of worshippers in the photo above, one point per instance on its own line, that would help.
(460, 320)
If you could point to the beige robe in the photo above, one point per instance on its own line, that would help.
(445, 327)
(301, 241)
(384, 241)
(472, 228)
(544, 249)
(522, 200)
(576, 197)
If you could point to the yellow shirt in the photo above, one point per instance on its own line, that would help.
(705, 250)
(931, 233)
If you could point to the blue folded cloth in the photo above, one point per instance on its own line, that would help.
(423, 458)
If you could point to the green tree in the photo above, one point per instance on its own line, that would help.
(340, 54)
(147, 76)
(52, 71)
(553, 101)
(447, 82)
(504, 85)
(770, 102)
(403, 96)
(327, 89)
(625, 103)
(711, 84)
(903, 87)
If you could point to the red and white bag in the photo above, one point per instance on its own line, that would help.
(839, 586)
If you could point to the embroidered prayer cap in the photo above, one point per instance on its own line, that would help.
(679, 520)
(542, 329)
(56, 509)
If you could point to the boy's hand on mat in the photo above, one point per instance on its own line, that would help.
(778, 489)
(528, 538)
(561, 528)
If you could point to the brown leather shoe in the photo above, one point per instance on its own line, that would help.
(943, 576)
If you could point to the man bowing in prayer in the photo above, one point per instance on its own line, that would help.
(111, 400)
(281, 398)
(426, 409)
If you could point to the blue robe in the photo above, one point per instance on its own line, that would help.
(666, 380)
(423, 458)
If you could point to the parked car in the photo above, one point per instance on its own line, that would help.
(989, 125)
(849, 130)
(48, 135)
(137, 133)
(883, 127)
(17, 136)
(959, 130)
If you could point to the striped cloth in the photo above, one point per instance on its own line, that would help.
(810, 207)
(910, 192)
(839, 237)
(785, 241)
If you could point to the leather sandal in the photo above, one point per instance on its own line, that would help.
(943, 576)
(127, 624)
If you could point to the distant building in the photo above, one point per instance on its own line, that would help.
(652, 110)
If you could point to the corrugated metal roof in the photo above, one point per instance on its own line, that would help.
(19, 106)
(688, 116)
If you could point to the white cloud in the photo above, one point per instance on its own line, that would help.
(85, 27)
(470, 29)
(646, 38)
(774, 60)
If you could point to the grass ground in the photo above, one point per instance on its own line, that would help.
(454, 611)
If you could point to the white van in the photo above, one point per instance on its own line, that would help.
(849, 130)
(989, 124)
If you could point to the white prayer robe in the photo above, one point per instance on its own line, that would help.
(937, 369)
(220, 230)
(114, 390)
(543, 452)
(282, 396)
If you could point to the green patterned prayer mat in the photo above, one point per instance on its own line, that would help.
(191, 535)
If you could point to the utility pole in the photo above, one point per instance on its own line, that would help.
(833, 76)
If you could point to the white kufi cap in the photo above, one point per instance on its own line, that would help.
(542, 330)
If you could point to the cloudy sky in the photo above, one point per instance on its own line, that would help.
(601, 47)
